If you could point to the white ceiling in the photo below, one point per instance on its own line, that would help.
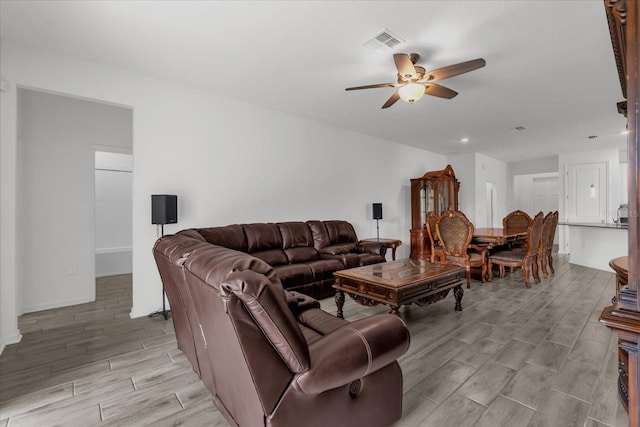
(550, 65)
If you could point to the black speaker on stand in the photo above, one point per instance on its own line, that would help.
(164, 210)
(377, 215)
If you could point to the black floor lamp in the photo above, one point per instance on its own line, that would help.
(164, 210)
(377, 215)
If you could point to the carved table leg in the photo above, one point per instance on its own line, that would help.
(340, 302)
(458, 292)
(395, 309)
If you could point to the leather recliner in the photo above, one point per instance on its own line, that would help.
(272, 357)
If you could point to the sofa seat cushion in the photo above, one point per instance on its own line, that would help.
(316, 323)
(347, 260)
(273, 257)
(301, 254)
(310, 335)
(324, 268)
(292, 275)
(343, 248)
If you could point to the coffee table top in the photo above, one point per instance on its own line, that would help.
(400, 273)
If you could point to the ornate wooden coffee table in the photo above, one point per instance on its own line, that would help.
(400, 282)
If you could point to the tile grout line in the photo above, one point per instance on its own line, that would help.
(179, 400)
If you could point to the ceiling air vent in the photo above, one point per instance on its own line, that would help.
(385, 40)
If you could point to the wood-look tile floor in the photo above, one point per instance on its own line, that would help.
(513, 357)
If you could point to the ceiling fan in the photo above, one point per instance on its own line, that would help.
(413, 81)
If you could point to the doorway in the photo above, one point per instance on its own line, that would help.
(59, 135)
(113, 205)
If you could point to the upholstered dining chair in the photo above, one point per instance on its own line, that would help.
(455, 232)
(546, 244)
(436, 247)
(517, 221)
(525, 257)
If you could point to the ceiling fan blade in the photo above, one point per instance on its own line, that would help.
(392, 100)
(373, 86)
(439, 91)
(404, 65)
(453, 70)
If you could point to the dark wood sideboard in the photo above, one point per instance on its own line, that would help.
(623, 317)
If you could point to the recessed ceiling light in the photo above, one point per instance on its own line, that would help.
(464, 139)
(592, 136)
(518, 128)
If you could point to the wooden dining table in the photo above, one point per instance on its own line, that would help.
(491, 237)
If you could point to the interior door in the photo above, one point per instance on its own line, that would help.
(545, 194)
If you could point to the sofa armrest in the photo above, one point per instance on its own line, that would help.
(299, 302)
(372, 248)
(354, 351)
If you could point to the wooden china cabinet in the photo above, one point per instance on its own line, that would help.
(623, 317)
(435, 191)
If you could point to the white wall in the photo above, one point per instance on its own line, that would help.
(491, 170)
(474, 170)
(227, 161)
(55, 183)
(113, 213)
(534, 166)
(464, 166)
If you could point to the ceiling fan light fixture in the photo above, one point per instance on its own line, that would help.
(411, 92)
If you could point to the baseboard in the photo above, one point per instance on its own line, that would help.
(113, 261)
(57, 304)
(8, 341)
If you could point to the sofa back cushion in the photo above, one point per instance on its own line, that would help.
(271, 312)
(297, 242)
(264, 241)
(340, 232)
(334, 237)
(319, 233)
(230, 236)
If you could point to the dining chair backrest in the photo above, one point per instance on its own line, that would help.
(534, 235)
(554, 226)
(516, 221)
(455, 232)
(547, 240)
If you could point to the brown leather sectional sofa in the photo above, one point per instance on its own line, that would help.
(272, 357)
(304, 255)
